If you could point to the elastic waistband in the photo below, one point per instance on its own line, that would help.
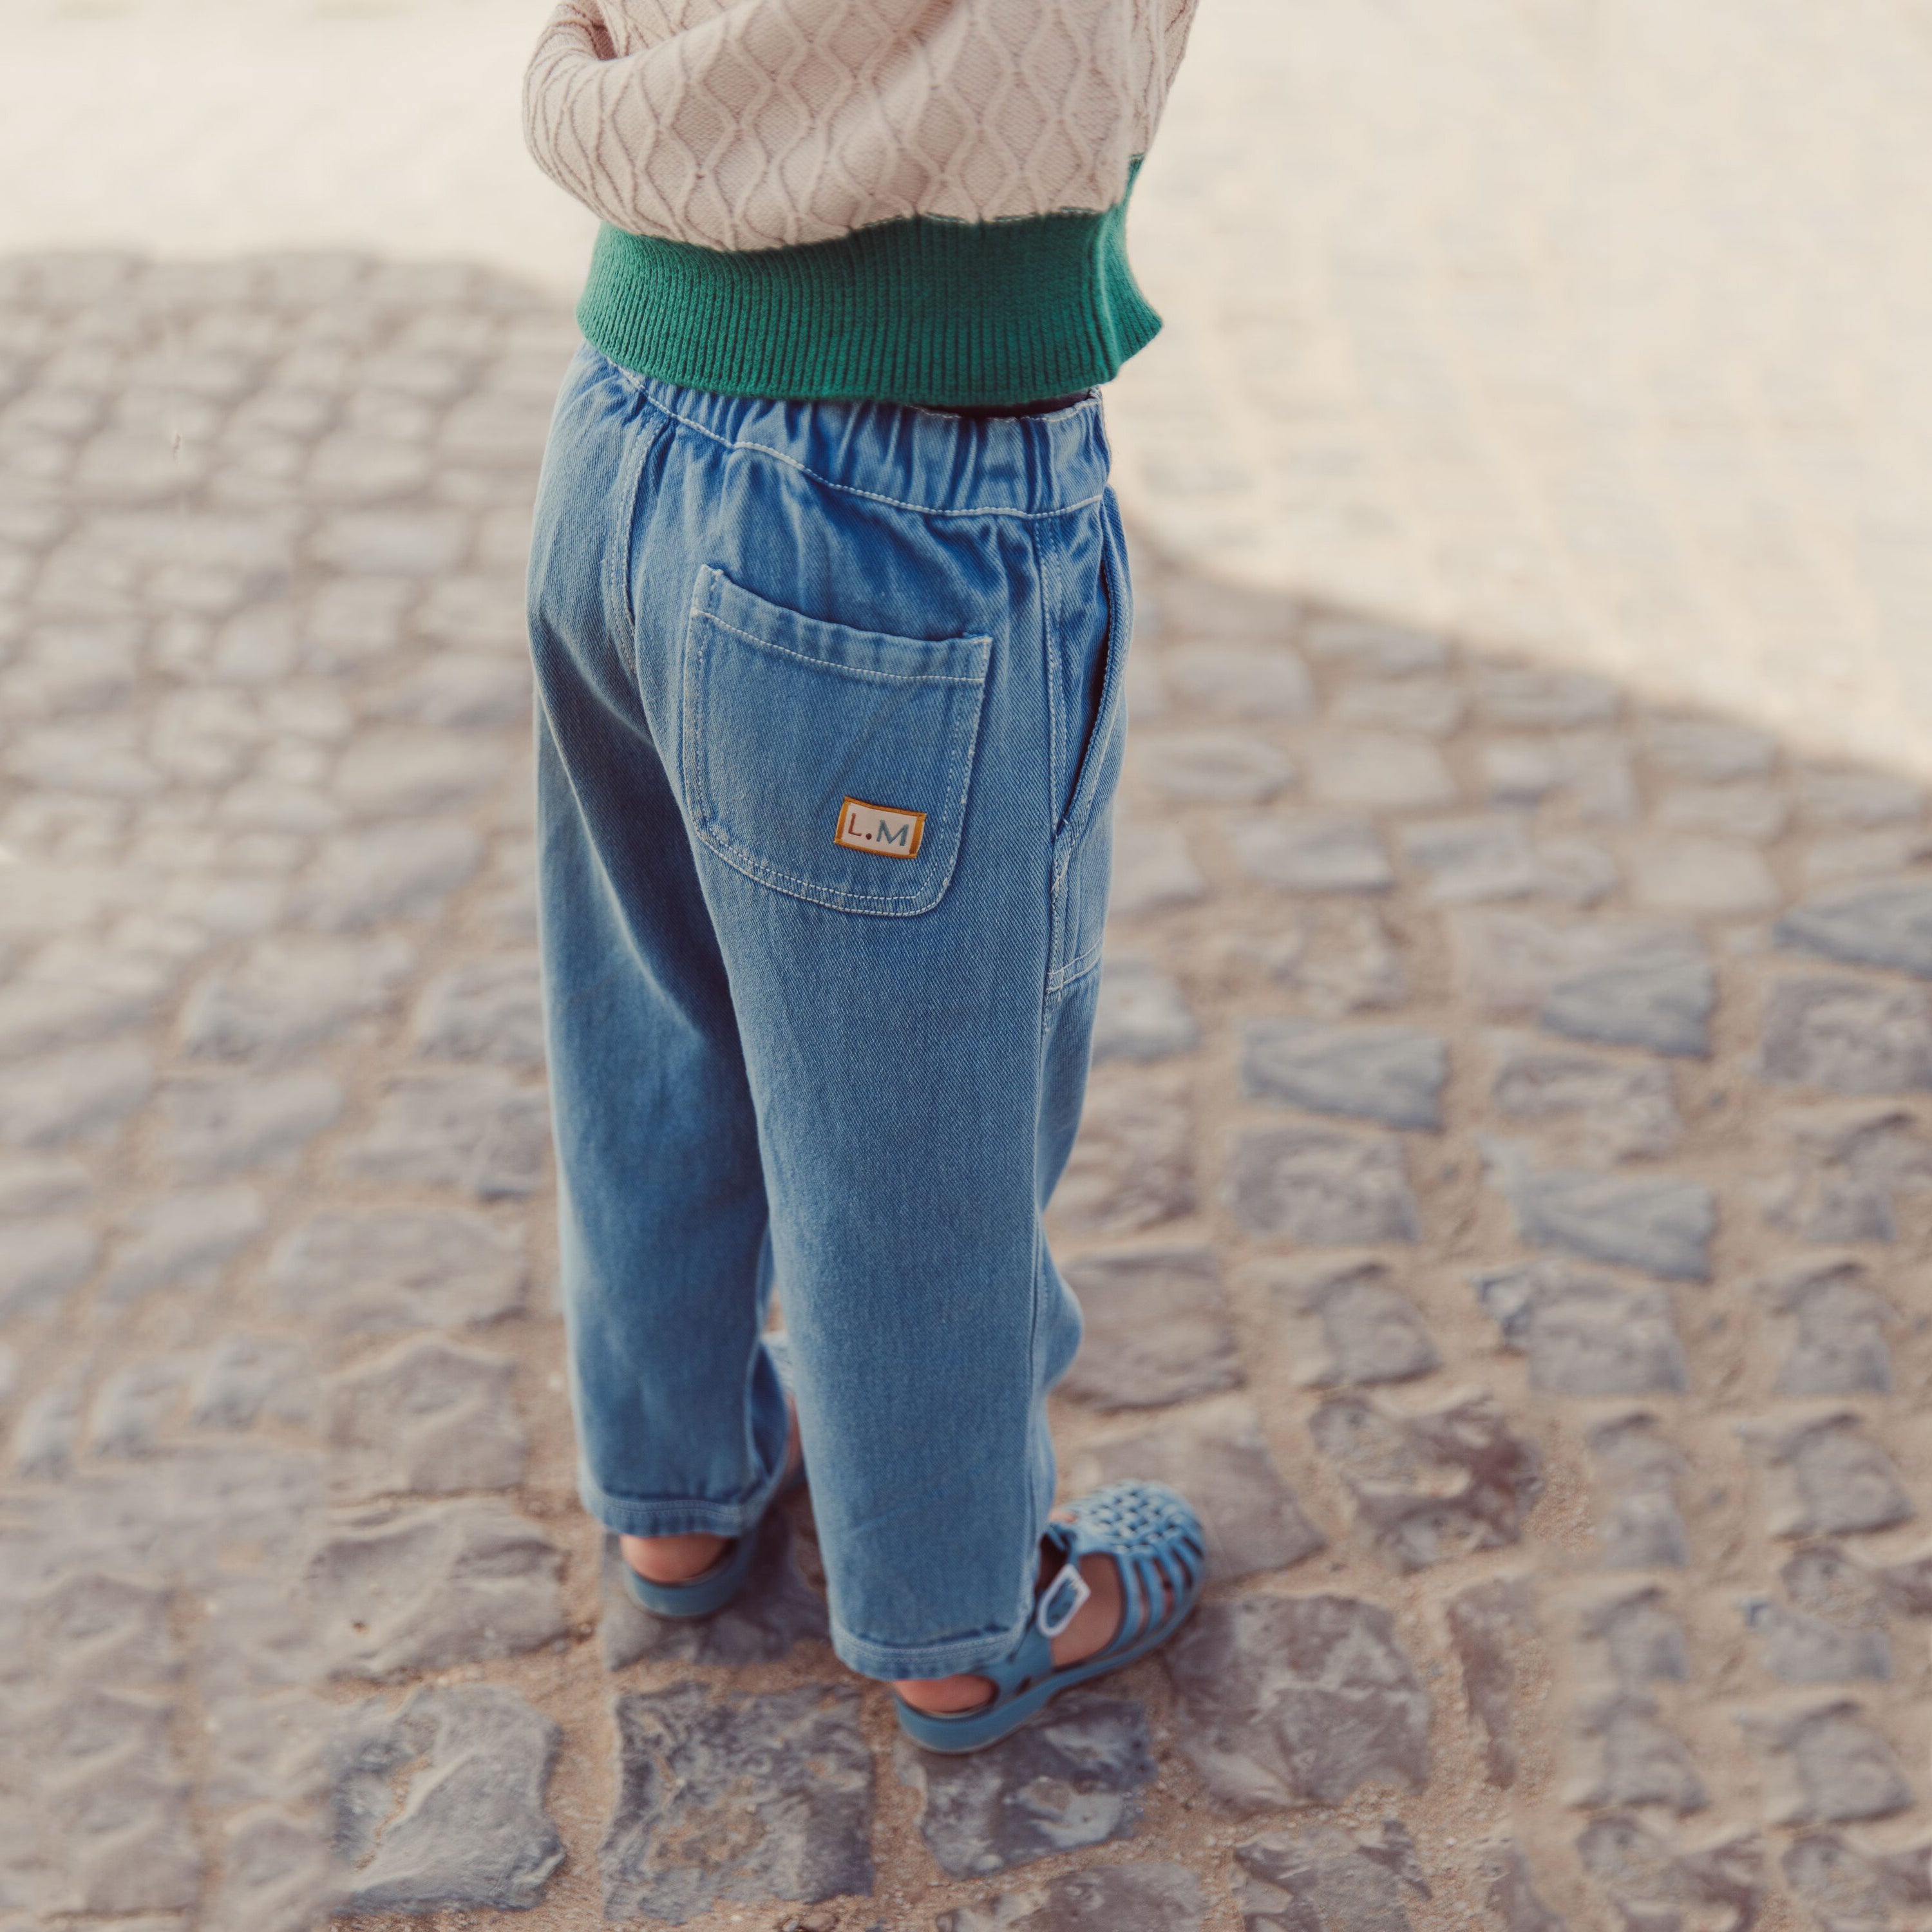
(930, 461)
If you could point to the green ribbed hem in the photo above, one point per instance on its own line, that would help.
(951, 313)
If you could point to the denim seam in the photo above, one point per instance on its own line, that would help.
(1050, 669)
(675, 1516)
(838, 898)
(844, 670)
(852, 489)
(618, 588)
(942, 1658)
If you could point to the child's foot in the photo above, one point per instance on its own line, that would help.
(1094, 1626)
(682, 1559)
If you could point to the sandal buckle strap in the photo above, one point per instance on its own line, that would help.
(1061, 1601)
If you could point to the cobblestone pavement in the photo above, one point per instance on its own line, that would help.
(1592, 325)
(1502, 1203)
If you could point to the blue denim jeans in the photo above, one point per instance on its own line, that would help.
(830, 722)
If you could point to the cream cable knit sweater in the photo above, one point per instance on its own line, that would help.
(752, 124)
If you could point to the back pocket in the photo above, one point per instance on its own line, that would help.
(830, 763)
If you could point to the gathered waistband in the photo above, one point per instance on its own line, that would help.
(935, 462)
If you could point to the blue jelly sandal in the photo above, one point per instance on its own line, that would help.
(1155, 1540)
(710, 1590)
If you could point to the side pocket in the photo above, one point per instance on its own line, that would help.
(1083, 852)
(829, 764)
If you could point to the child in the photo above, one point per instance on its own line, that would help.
(829, 611)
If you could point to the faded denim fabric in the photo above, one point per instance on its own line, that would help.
(829, 723)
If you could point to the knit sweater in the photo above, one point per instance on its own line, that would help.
(919, 201)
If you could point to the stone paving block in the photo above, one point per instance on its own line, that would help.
(459, 690)
(1336, 954)
(1826, 1763)
(784, 1780)
(1756, 813)
(246, 1377)
(1143, 1014)
(488, 1008)
(1706, 877)
(1157, 1329)
(1152, 870)
(1375, 648)
(90, 1626)
(1133, 1166)
(1540, 699)
(1658, 1222)
(99, 759)
(33, 1184)
(473, 1830)
(1072, 1778)
(1293, 1700)
(1845, 1172)
(1831, 1630)
(428, 1419)
(1509, 1888)
(287, 995)
(1131, 1898)
(474, 611)
(398, 1268)
(1380, 769)
(1851, 797)
(1239, 680)
(1585, 1334)
(401, 771)
(1430, 1487)
(1617, 983)
(354, 621)
(1654, 1887)
(1611, 1109)
(422, 1589)
(1330, 1189)
(1428, 707)
(41, 1263)
(1219, 1459)
(1392, 1074)
(115, 1803)
(397, 542)
(217, 1124)
(276, 1874)
(132, 1406)
(1521, 771)
(1471, 861)
(36, 1016)
(48, 1429)
(1314, 1878)
(776, 1611)
(1847, 1036)
(1849, 1889)
(1346, 1323)
(390, 871)
(1489, 1624)
(350, 469)
(1311, 852)
(1211, 767)
(1824, 1476)
(1834, 1321)
(477, 1129)
(1880, 852)
(1631, 1637)
(82, 1094)
(1624, 1753)
(184, 1239)
(1714, 751)
(1884, 922)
